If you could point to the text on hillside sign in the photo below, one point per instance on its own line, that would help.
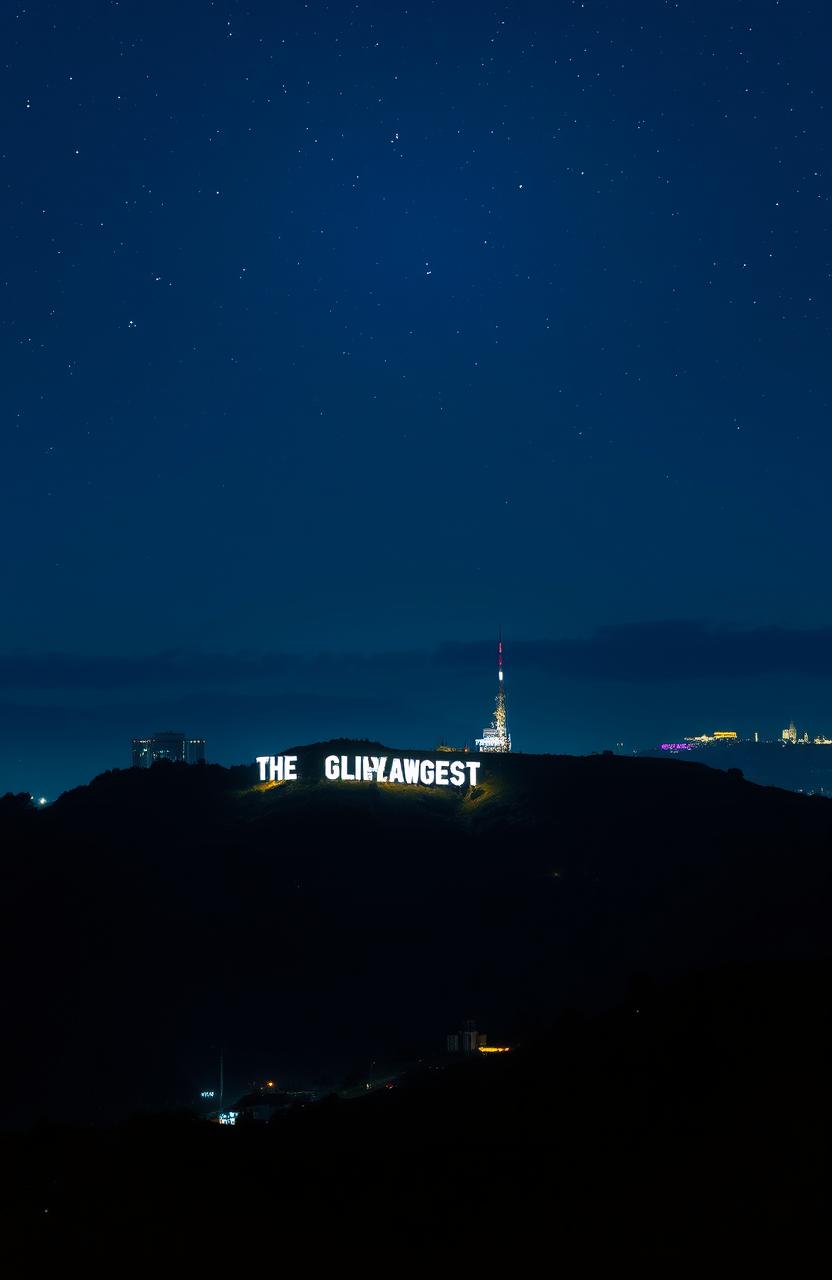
(398, 769)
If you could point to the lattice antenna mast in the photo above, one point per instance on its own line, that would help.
(500, 710)
(495, 736)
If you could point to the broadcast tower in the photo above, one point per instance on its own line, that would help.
(495, 736)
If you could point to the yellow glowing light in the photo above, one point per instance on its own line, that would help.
(494, 1048)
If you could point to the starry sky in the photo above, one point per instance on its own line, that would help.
(335, 336)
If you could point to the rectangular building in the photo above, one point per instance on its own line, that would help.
(169, 744)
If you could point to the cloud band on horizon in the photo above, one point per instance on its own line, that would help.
(647, 652)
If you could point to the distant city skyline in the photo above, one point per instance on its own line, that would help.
(722, 737)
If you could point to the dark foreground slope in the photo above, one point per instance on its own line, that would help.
(155, 916)
(688, 1128)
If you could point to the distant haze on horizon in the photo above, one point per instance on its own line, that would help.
(65, 718)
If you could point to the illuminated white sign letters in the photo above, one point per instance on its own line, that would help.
(395, 769)
(278, 768)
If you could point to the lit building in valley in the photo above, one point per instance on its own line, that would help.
(167, 745)
(495, 736)
(467, 1039)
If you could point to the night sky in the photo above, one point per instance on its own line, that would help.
(336, 336)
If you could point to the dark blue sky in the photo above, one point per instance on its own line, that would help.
(362, 329)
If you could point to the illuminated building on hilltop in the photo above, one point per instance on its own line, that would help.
(169, 745)
(791, 735)
(718, 735)
(495, 736)
(141, 753)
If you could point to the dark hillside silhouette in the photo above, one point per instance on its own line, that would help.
(155, 916)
